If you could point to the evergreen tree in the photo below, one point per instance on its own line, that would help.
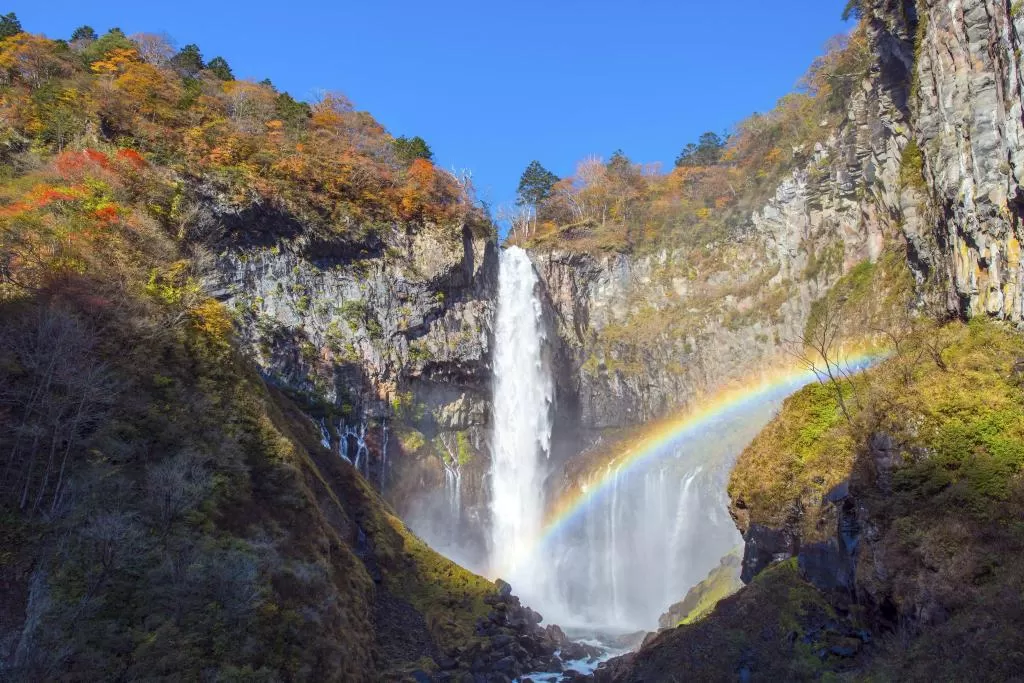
(535, 185)
(85, 34)
(706, 152)
(189, 61)
(409, 149)
(619, 166)
(218, 66)
(292, 113)
(9, 25)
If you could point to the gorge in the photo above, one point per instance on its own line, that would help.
(277, 402)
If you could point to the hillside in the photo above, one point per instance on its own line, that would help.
(169, 510)
(877, 508)
(247, 378)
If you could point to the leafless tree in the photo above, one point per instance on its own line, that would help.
(55, 388)
(521, 220)
(156, 49)
(819, 350)
(174, 487)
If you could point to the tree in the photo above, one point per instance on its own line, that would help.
(153, 48)
(218, 66)
(85, 34)
(409, 149)
(292, 113)
(30, 59)
(706, 152)
(852, 10)
(9, 25)
(114, 39)
(189, 61)
(535, 185)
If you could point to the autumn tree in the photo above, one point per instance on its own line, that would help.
(250, 105)
(153, 48)
(30, 59)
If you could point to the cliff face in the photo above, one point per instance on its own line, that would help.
(643, 335)
(387, 346)
(894, 508)
(968, 122)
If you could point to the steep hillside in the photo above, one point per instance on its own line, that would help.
(171, 508)
(359, 274)
(735, 247)
(894, 494)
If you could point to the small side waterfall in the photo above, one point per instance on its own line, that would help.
(522, 424)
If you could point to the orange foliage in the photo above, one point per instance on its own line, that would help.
(328, 162)
(118, 61)
(30, 59)
(132, 158)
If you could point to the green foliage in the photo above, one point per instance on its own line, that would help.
(852, 10)
(84, 33)
(912, 167)
(778, 621)
(9, 25)
(102, 47)
(535, 185)
(218, 66)
(188, 61)
(803, 452)
(463, 450)
(720, 583)
(295, 115)
(409, 149)
(706, 152)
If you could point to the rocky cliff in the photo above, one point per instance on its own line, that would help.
(387, 346)
(890, 493)
(642, 335)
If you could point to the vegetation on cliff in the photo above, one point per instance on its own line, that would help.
(932, 454)
(779, 628)
(164, 512)
(325, 163)
(622, 206)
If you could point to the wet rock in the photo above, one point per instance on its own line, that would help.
(764, 546)
(504, 588)
(555, 634)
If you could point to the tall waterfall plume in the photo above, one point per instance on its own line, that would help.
(522, 423)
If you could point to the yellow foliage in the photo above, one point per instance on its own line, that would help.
(213, 320)
(117, 61)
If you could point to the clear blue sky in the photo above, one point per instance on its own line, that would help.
(491, 85)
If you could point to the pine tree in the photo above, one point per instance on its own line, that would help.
(535, 185)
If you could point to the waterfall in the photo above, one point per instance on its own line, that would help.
(383, 452)
(453, 488)
(522, 425)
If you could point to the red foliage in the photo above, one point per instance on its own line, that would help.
(107, 214)
(75, 165)
(98, 157)
(132, 158)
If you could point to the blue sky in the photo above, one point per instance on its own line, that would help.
(493, 85)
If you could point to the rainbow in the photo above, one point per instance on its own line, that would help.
(659, 438)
